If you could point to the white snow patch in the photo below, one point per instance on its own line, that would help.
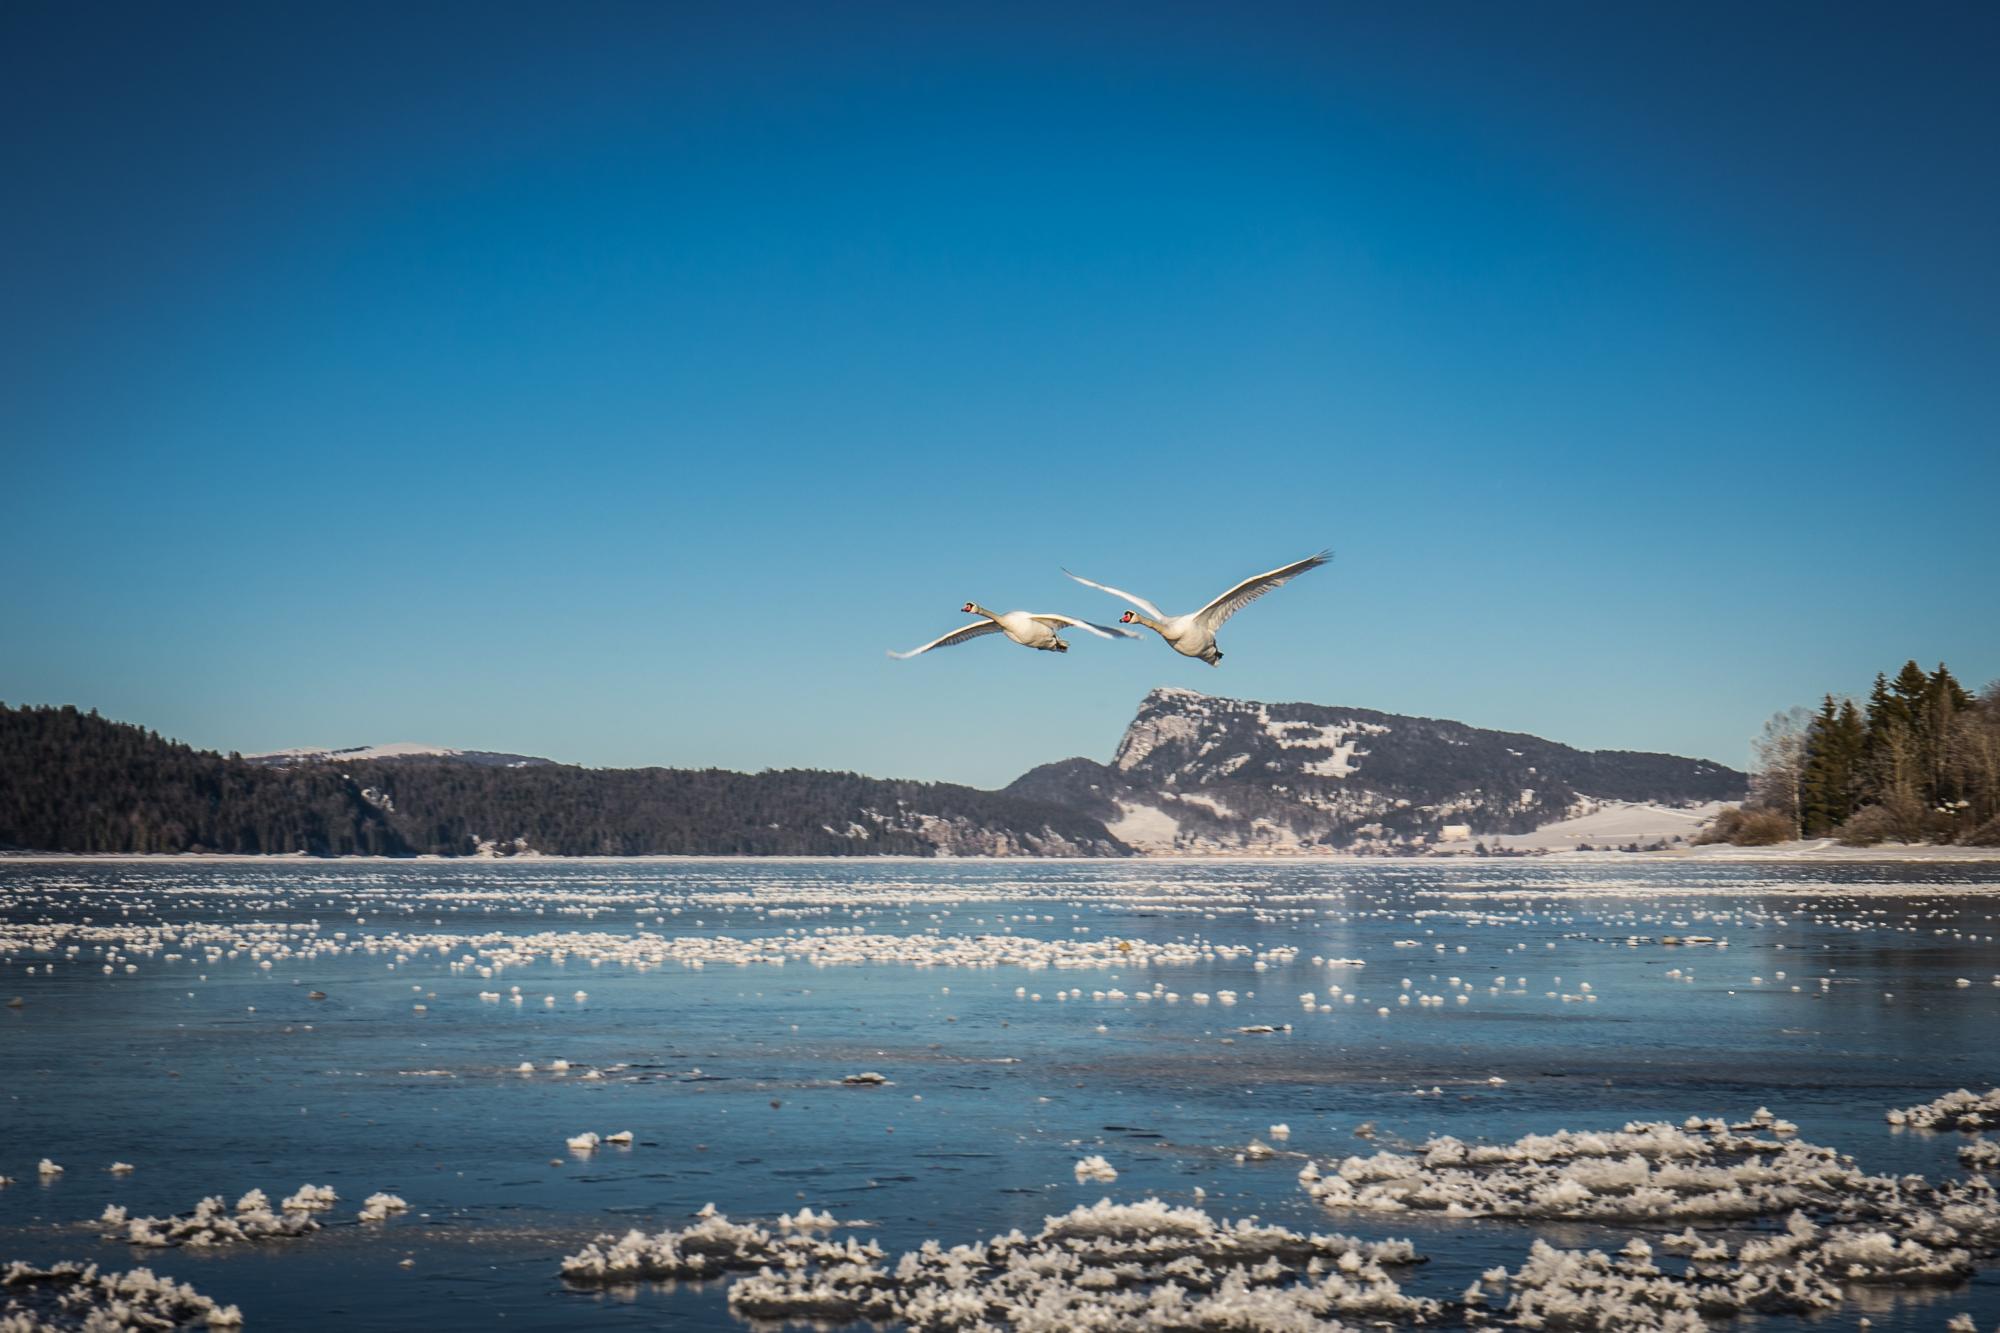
(1208, 803)
(1096, 1168)
(393, 750)
(1611, 824)
(1145, 827)
(1341, 739)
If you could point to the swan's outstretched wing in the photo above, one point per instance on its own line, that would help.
(1101, 631)
(1254, 587)
(960, 635)
(1140, 602)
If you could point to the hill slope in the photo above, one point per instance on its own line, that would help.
(1192, 774)
(75, 782)
(1198, 773)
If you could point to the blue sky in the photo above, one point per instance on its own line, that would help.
(617, 382)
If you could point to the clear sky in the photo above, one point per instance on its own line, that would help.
(617, 382)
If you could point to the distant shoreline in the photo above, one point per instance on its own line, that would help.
(1823, 851)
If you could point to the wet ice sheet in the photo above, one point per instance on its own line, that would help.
(1537, 998)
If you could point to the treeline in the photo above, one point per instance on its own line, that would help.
(75, 782)
(1918, 762)
(568, 811)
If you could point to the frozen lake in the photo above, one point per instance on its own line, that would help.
(1024, 1014)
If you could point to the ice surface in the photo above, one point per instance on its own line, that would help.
(793, 952)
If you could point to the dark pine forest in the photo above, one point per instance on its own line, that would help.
(72, 781)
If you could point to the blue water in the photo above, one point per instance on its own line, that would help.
(212, 1077)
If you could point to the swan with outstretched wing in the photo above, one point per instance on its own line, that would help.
(1029, 629)
(1193, 634)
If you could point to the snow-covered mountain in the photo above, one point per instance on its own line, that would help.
(1195, 773)
(396, 750)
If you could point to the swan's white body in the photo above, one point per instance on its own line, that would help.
(1193, 635)
(1023, 627)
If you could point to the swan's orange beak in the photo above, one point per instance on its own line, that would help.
(1125, 619)
(967, 608)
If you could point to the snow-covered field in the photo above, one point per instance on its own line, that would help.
(1612, 824)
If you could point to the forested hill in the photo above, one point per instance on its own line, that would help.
(75, 782)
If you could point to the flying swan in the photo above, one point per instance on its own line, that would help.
(1022, 627)
(1193, 635)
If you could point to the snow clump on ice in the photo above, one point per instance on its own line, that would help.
(1094, 1167)
(1140, 1266)
(82, 1296)
(711, 1247)
(1980, 1155)
(214, 1222)
(1954, 1110)
(1843, 1227)
(1647, 1171)
(311, 1199)
(377, 1207)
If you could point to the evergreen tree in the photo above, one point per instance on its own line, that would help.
(1880, 718)
(1922, 764)
(1893, 763)
(1821, 786)
(1910, 687)
(1940, 684)
(1851, 742)
(1943, 701)
(1881, 704)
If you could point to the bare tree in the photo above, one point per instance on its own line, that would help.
(1780, 771)
(1976, 752)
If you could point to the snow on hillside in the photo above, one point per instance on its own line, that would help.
(1198, 774)
(1154, 829)
(393, 750)
(1145, 828)
(1612, 824)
